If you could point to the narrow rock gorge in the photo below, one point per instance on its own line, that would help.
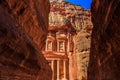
(23, 28)
(105, 47)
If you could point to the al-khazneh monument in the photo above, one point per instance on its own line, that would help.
(59, 47)
(68, 40)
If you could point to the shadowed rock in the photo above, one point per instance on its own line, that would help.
(105, 47)
(21, 24)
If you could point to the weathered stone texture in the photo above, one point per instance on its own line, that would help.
(20, 58)
(33, 17)
(105, 47)
(62, 13)
(82, 50)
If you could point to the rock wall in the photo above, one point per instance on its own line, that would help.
(32, 16)
(105, 47)
(82, 50)
(22, 23)
(67, 13)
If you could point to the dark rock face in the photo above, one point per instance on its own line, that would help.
(32, 16)
(105, 47)
(20, 57)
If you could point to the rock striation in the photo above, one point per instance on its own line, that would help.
(105, 47)
(66, 14)
(23, 28)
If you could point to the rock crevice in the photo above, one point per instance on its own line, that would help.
(104, 57)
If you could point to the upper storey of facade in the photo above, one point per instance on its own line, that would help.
(59, 41)
(57, 35)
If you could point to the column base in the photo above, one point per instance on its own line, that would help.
(58, 79)
(64, 79)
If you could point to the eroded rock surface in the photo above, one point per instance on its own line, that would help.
(105, 48)
(65, 12)
(82, 50)
(21, 24)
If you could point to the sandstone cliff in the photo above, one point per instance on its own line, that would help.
(29, 14)
(82, 50)
(105, 47)
(23, 28)
(65, 13)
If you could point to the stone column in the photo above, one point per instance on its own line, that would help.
(68, 46)
(58, 70)
(64, 68)
(52, 67)
(46, 46)
(57, 46)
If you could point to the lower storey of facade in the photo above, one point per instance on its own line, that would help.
(60, 68)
